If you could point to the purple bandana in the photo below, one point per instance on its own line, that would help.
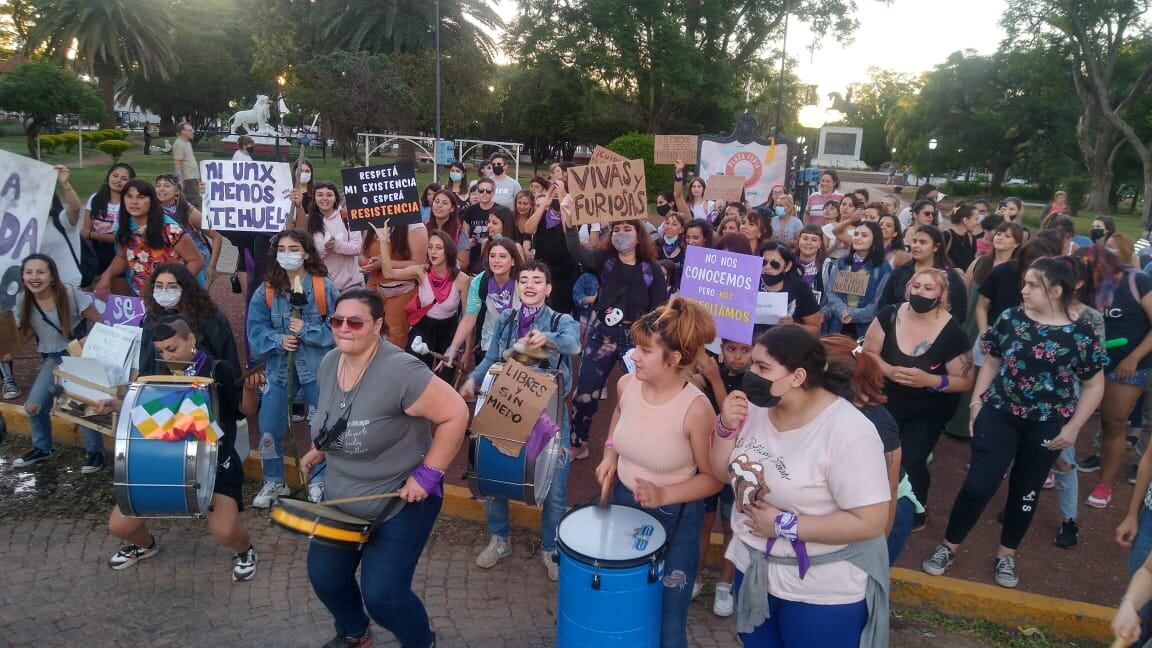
(525, 319)
(786, 527)
(501, 296)
(551, 218)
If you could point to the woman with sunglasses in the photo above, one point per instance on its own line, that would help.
(851, 300)
(781, 274)
(927, 251)
(924, 213)
(279, 328)
(925, 357)
(385, 424)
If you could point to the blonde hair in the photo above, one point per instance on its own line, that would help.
(941, 279)
(788, 202)
(680, 325)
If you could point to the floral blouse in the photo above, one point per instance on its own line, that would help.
(1040, 366)
(142, 260)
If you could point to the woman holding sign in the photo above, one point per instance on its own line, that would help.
(694, 202)
(855, 283)
(781, 274)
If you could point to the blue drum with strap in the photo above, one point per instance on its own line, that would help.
(611, 573)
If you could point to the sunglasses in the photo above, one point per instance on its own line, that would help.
(483, 191)
(355, 324)
(775, 264)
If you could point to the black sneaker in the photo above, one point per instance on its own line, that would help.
(919, 521)
(93, 462)
(1066, 539)
(31, 457)
(1132, 473)
(244, 565)
(939, 561)
(1088, 464)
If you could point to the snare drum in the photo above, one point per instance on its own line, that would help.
(611, 572)
(491, 473)
(322, 523)
(156, 477)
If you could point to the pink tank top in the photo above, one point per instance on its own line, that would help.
(650, 438)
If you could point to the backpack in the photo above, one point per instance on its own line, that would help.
(317, 290)
(86, 261)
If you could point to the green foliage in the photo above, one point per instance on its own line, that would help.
(115, 148)
(965, 188)
(1077, 189)
(47, 143)
(640, 146)
(67, 139)
(94, 137)
(466, 75)
(867, 105)
(41, 91)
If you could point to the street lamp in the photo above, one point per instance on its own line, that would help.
(436, 143)
(932, 144)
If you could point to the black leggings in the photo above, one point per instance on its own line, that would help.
(1000, 440)
(918, 437)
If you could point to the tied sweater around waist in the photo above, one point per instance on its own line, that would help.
(650, 440)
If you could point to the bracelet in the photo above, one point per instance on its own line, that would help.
(608, 443)
(974, 404)
(433, 469)
(678, 177)
(722, 431)
(943, 386)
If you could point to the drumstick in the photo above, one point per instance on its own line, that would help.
(362, 498)
(605, 490)
(1120, 642)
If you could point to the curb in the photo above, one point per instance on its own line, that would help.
(1057, 617)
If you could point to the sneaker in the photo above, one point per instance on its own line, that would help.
(697, 587)
(940, 561)
(341, 641)
(131, 554)
(244, 565)
(931, 456)
(11, 390)
(553, 567)
(31, 457)
(723, 604)
(1066, 539)
(497, 548)
(1132, 473)
(316, 491)
(1090, 463)
(578, 452)
(269, 492)
(919, 521)
(1005, 571)
(1049, 481)
(1100, 497)
(94, 462)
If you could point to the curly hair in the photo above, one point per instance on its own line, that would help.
(194, 300)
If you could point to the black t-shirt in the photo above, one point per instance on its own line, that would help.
(897, 285)
(477, 219)
(886, 427)
(801, 301)
(1125, 318)
(961, 249)
(1002, 288)
(634, 289)
(917, 402)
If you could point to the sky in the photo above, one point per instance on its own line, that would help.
(908, 36)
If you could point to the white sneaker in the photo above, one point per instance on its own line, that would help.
(316, 491)
(269, 492)
(723, 604)
(549, 560)
(697, 587)
(497, 548)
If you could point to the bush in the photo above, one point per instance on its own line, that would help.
(95, 137)
(962, 188)
(68, 140)
(1077, 189)
(641, 146)
(47, 143)
(115, 148)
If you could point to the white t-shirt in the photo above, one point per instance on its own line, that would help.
(54, 245)
(506, 190)
(834, 463)
(839, 250)
(108, 225)
(241, 156)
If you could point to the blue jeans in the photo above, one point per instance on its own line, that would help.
(680, 562)
(792, 624)
(901, 529)
(1067, 485)
(42, 393)
(274, 420)
(386, 564)
(554, 507)
(1141, 548)
(606, 346)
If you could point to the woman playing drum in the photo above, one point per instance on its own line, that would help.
(399, 435)
(658, 444)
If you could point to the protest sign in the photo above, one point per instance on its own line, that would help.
(25, 198)
(725, 283)
(771, 306)
(247, 196)
(608, 192)
(601, 155)
(379, 194)
(670, 148)
(119, 309)
(763, 164)
(728, 188)
(851, 283)
(517, 398)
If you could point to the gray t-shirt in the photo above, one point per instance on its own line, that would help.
(49, 337)
(506, 189)
(381, 445)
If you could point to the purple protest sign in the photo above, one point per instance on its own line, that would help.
(725, 283)
(119, 309)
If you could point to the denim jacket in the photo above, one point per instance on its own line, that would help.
(865, 312)
(267, 329)
(566, 338)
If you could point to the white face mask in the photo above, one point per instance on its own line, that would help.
(305, 177)
(290, 261)
(167, 297)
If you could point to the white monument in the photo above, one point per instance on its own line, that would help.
(839, 148)
(255, 123)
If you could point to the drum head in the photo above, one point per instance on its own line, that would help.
(618, 535)
(316, 511)
(545, 470)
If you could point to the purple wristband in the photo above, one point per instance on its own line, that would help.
(722, 431)
(430, 479)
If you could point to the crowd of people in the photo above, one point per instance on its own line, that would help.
(810, 446)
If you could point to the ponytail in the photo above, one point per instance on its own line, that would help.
(852, 374)
(681, 325)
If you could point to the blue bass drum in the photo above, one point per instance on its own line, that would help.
(156, 477)
(611, 573)
(493, 474)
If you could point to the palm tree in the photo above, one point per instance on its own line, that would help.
(110, 37)
(394, 26)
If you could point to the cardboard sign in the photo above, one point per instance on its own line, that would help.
(601, 155)
(670, 148)
(728, 188)
(384, 193)
(603, 193)
(25, 198)
(726, 284)
(247, 196)
(517, 399)
(119, 309)
(851, 283)
(771, 306)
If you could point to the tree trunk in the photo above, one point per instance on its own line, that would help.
(995, 184)
(1099, 188)
(107, 74)
(32, 131)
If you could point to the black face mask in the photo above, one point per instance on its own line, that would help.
(1097, 233)
(769, 279)
(663, 210)
(498, 169)
(922, 304)
(759, 390)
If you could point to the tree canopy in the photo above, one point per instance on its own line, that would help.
(41, 91)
